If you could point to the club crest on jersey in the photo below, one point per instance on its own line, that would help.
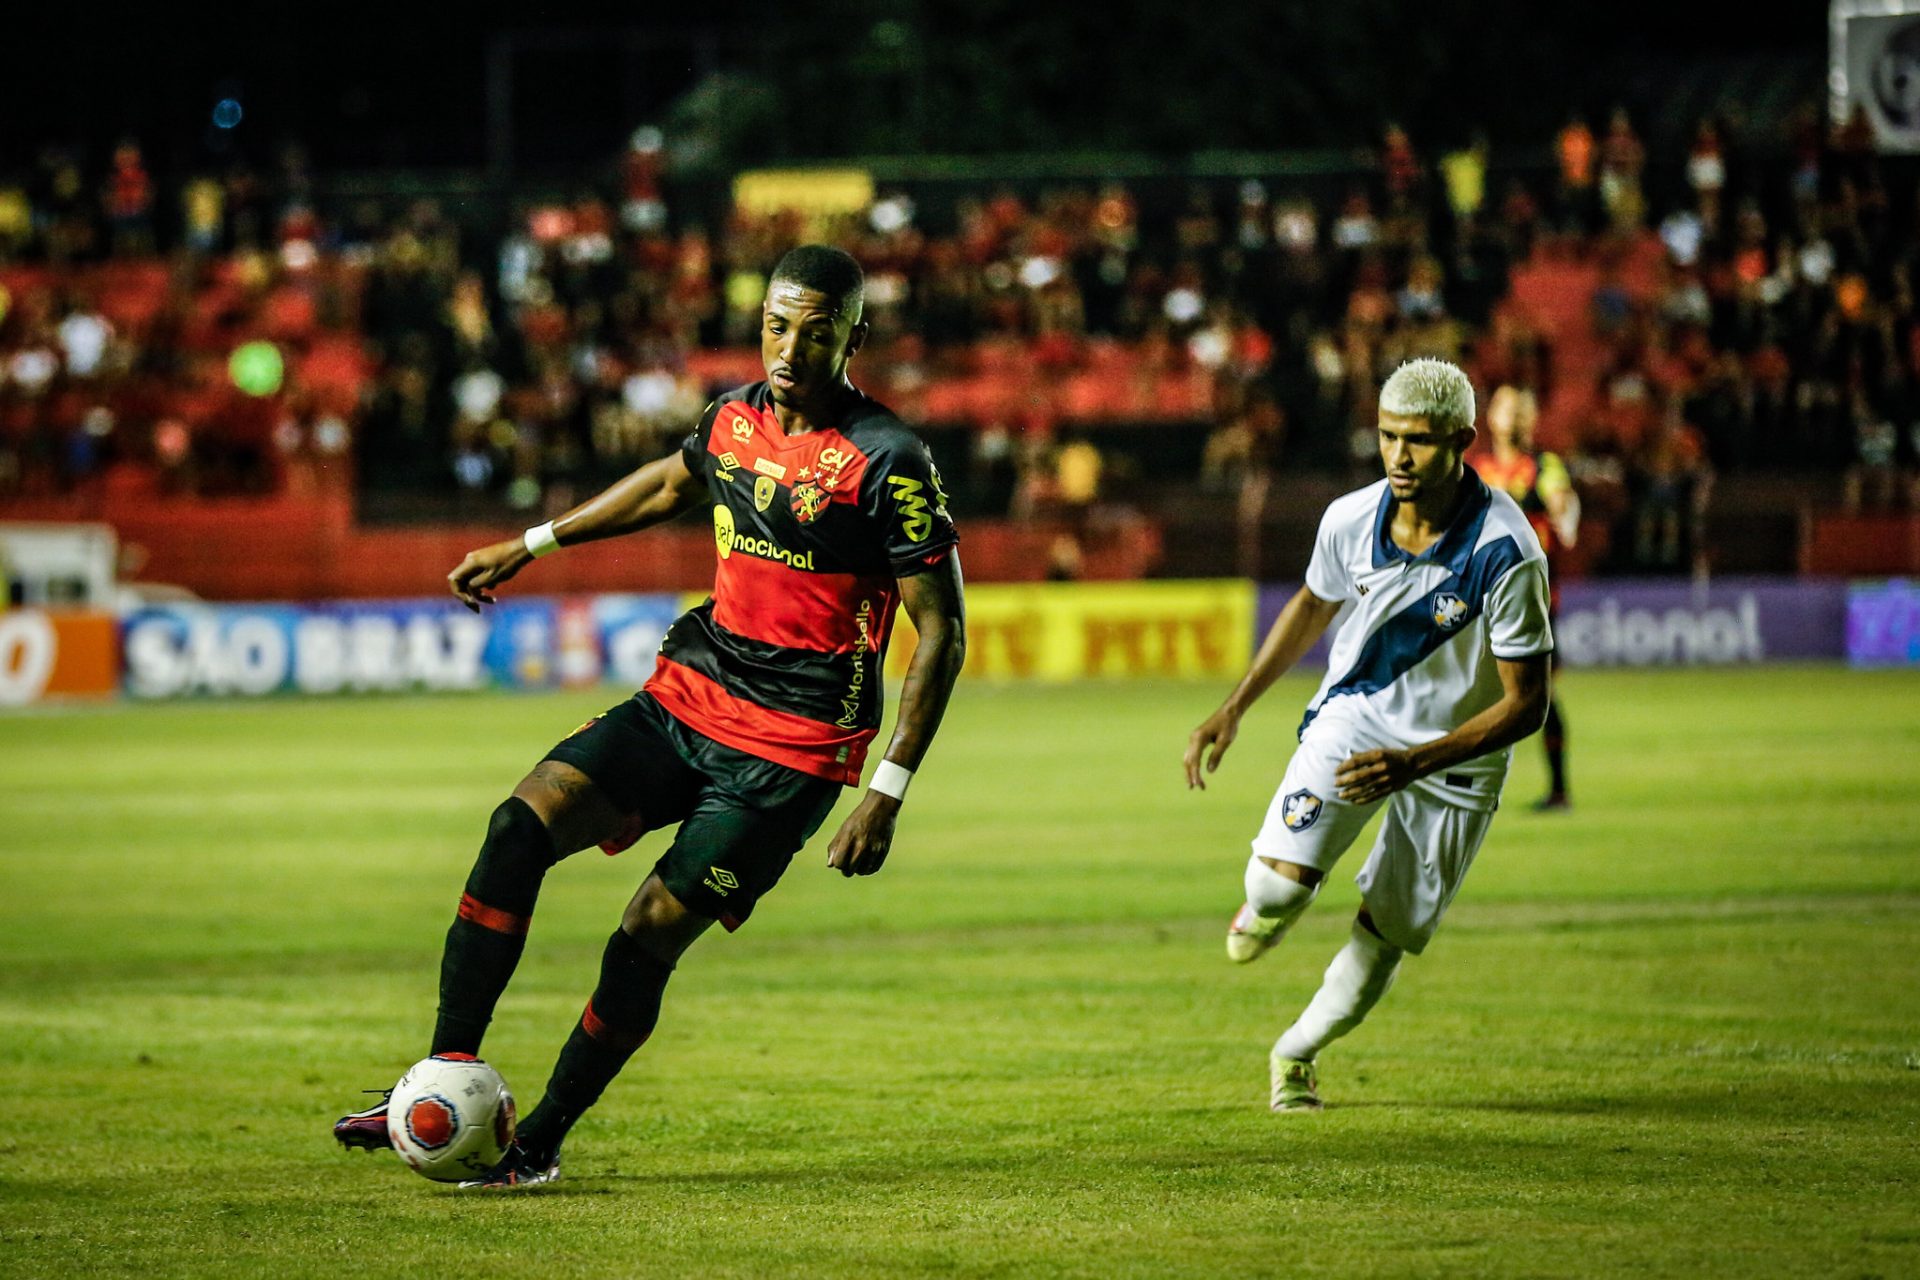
(1449, 611)
(1300, 810)
(810, 496)
(763, 487)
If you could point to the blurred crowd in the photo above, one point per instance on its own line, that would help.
(1759, 316)
(1741, 307)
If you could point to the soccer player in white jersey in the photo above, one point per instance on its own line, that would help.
(1439, 667)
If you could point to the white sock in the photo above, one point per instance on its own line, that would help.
(1355, 981)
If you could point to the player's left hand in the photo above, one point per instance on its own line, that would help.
(860, 847)
(1373, 775)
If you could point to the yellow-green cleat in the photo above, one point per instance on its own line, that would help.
(1296, 1085)
(1251, 936)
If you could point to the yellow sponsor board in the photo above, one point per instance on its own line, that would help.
(813, 191)
(1062, 631)
(1100, 630)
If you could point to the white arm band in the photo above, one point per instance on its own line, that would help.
(891, 780)
(540, 540)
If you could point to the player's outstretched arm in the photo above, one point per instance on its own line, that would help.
(658, 491)
(1526, 689)
(1300, 623)
(936, 603)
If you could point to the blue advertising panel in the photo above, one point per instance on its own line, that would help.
(249, 650)
(1643, 622)
(1883, 624)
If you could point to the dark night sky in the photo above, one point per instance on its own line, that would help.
(398, 86)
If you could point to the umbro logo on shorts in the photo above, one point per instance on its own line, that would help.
(1300, 810)
(721, 880)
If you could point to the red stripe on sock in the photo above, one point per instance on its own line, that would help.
(471, 908)
(595, 1026)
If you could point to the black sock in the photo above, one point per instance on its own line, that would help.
(487, 936)
(1555, 735)
(617, 1020)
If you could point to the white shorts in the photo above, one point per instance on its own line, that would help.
(1419, 858)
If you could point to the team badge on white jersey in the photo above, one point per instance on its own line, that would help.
(1449, 611)
(1300, 810)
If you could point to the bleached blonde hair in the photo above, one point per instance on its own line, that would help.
(1431, 389)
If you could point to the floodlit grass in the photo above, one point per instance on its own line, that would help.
(1674, 1031)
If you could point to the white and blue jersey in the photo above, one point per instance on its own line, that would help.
(1414, 656)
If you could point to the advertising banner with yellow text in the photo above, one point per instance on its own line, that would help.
(1100, 630)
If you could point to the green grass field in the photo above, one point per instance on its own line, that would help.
(1675, 1031)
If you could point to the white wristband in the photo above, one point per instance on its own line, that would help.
(540, 541)
(891, 780)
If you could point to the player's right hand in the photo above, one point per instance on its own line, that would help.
(488, 567)
(1210, 742)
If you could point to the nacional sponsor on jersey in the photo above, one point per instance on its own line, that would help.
(728, 539)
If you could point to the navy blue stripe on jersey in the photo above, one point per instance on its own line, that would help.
(1406, 639)
(1455, 546)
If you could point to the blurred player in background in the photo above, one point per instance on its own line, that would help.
(1540, 484)
(1440, 666)
(827, 512)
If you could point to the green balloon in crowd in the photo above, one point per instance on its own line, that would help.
(256, 368)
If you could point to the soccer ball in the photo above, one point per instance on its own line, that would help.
(450, 1117)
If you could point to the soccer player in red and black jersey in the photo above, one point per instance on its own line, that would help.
(1540, 484)
(827, 514)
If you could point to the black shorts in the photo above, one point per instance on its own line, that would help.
(741, 818)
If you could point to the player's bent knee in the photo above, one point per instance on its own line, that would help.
(513, 860)
(1275, 896)
(660, 923)
(574, 812)
(515, 832)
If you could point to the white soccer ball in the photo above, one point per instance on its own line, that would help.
(450, 1117)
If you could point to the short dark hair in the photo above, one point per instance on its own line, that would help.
(824, 269)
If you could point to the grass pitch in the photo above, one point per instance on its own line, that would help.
(1674, 1031)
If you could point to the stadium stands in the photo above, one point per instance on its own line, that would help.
(1067, 346)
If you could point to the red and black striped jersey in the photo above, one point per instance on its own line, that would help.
(813, 533)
